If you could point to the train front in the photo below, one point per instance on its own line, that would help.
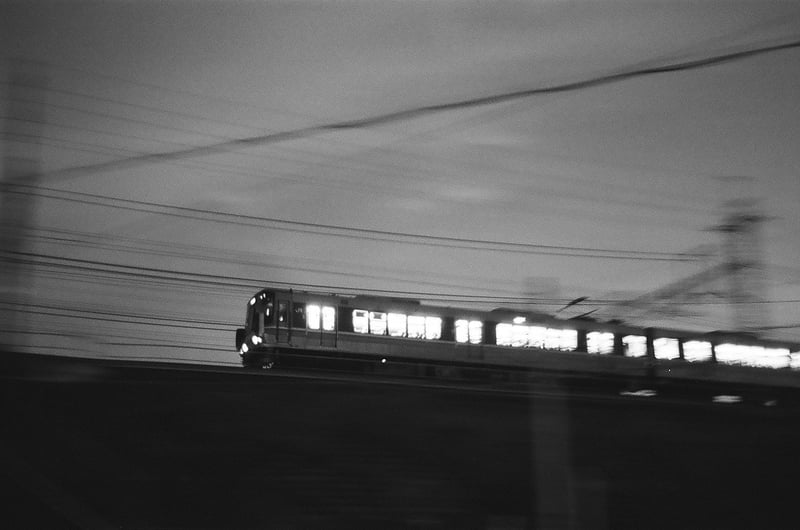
(256, 346)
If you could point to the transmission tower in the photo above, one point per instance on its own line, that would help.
(738, 279)
(744, 265)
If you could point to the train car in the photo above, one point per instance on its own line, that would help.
(374, 330)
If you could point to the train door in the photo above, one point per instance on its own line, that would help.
(329, 333)
(321, 322)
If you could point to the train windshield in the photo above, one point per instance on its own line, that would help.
(262, 312)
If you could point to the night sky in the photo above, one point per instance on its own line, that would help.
(186, 154)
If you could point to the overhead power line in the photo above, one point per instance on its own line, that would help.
(189, 279)
(408, 114)
(332, 180)
(421, 279)
(343, 231)
(105, 315)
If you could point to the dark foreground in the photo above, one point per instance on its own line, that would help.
(103, 445)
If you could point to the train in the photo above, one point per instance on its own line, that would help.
(381, 332)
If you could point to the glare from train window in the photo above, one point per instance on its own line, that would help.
(312, 316)
(397, 324)
(328, 318)
(360, 321)
(475, 331)
(666, 348)
(416, 327)
(634, 345)
(599, 342)
(433, 328)
(377, 323)
(462, 330)
(726, 398)
(696, 351)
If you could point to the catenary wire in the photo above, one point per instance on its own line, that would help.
(342, 231)
(225, 280)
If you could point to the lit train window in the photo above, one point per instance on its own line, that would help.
(312, 316)
(313, 313)
(731, 353)
(559, 339)
(462, 331)
(503, 334)
(475, 331)
(469, 331)
(328, 318)
(360, 321)
(519, 335)
(568, 340)
(696, 351)
(537, 336)
(433, 328)
(753, 355)
(728, 353)
(397, 325)
(552, 339)
(599, 342)
(634, 345)
(776, 358)
(377, 323)
(665, 348)
(794, 360)
(416, 327)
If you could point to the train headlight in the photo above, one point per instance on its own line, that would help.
(255, 339)
(244, 348)
(253, 300)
